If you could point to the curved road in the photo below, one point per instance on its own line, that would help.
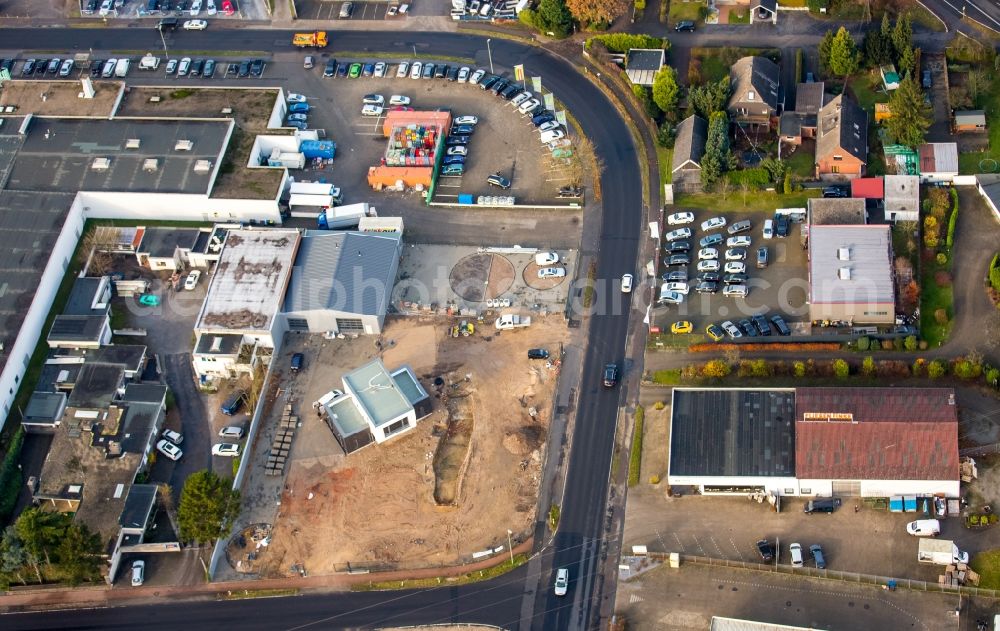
(578, 544)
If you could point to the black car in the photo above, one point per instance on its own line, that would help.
(331, 68)
(709, 277)
(677, 259)
(95, 67)
(677, 276)
(735, 279)
(256, 67)
(454, 141)
(834, 191)
(825, 505)
(244, 70)
(748, 328)
(765, 549)
(779, 323)
(761, 324)
(781, 225)
(739, 226)
(706, 287)
(538, 353)
(610, 375)
(677, 246)
(710, 240)
(684, 25)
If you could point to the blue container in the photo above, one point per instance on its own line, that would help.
(318, 149)
(466, 199)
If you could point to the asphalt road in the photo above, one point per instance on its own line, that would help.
(578, 544)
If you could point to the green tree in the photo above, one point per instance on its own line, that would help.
(706, 99)
(716, 158)
(666, 92)
(79, 554)
(825, 48)
(13, 556)
(902, 35)
(844, 57)
(208, 506)
(841, 369)
(911, 116)
(40, 532)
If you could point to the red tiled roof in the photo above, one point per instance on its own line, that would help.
(867, 187)
(876, 434)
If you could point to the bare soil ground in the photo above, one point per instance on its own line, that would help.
(376, 508)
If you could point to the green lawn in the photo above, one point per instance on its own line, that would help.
(665, 157)
(761, 200)
(933, 298)
(801, 164)
(685, 11)
(987, 565)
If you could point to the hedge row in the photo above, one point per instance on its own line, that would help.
(623, 42)
(776, 346)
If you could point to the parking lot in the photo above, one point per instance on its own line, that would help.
(778, 288)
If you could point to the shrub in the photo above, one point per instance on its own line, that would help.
(716, 369)
(941, 316)
(623, 42)
(936, 369)
(868, 366)
(841, 369)
(910, 343)
(863, 343)
(800, 369)
(941, 258)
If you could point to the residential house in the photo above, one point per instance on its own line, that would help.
(938, 162)
(762, 11)
(970, 121)
(841, 140)
(642, 64)
(755, 98)
(689, 147)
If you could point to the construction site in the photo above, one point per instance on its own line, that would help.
(442, 493)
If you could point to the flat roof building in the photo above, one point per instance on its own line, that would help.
(850, 274)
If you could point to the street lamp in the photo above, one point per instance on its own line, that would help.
(489, 51)
(509, 544)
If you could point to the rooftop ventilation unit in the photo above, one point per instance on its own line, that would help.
(844, 254)
(202, 166)
(132, 143)
(150, 164)
(183, 145)
(844, 273)
(101, 164)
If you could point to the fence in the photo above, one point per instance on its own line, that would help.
(834, 575)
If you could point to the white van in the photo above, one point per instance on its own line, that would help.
(769, 229)
(924, 528)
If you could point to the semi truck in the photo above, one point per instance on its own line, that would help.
(940, 552)
(316, 39)
(511, 321)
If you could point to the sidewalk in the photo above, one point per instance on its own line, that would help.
(58, 598)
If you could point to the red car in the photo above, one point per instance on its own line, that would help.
(227, 7)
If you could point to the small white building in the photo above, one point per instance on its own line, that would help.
(376, 405)
(902, 198)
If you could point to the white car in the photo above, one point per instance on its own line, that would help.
(226, 449)
(678, 219)
(466, 120)
(373, 99)
(232, 432)
(552, 134)
(740, 241)
(736, 267)
(713, 224)
(295, 98)
(528, 105)
(679, 233)
(415, 70)
(736, 254)
(138, 573)
(210, 7)
(671, 298)
(463, 74)
(679, 287)
(195, 7)
(710, 265)
(372, 110)
(562, 582)
(476, 76)
(457, 150)
(552, 272)
(380, 69)
(708, 254)
(404, 67)
(627, 284)
(549, 126)
(169, 449)
(195, 25)
(172, 436)
(924, 528)
(399, 99)
(546, 258)
(796, 551)
(192, 280)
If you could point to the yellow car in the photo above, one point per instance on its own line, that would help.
(715, 332)
(681, 327)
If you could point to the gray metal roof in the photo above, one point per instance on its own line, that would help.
(377, 392)
(642, 64)
(70, 328)
(868, 251)
(732, 432)
(353, 272)
(690, 143)
(164, 242)
(842, 126)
